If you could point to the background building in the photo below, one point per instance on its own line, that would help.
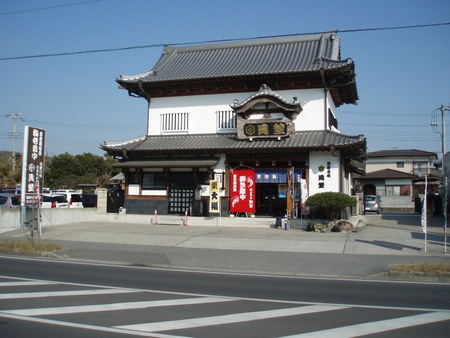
(398, 176)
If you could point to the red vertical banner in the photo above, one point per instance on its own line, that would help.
(242, 194)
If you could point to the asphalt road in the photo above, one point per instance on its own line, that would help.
(98, 300)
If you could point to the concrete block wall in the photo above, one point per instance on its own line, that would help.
(10, 219)
(102, 199)
(397, 204)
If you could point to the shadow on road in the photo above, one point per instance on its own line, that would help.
(437, 239)
(389, 245)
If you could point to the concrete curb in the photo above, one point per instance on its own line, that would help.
(418, 276)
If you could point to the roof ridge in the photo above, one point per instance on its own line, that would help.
(252, 42)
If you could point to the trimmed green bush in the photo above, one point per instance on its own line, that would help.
(331, 203)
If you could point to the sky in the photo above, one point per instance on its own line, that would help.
(403, 75)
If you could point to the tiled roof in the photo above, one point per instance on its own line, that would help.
(293, 54)
(387, 173)
(212, 143)
(401, 152)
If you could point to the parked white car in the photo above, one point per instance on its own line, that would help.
(73, 197)
(9, 201)
(54, 201)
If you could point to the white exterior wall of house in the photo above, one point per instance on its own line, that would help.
(202, 110)
(375, 164)
(389, 163)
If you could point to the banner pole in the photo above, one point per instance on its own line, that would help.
(424, 220)
(445, 210)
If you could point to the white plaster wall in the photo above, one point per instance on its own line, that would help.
(312, 117)
(317, 159)
(133, 189)
(202, 109)
(153, 193)
(221, 164)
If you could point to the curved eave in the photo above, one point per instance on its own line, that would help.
(266, 95)
(353, 146)
(340, 81)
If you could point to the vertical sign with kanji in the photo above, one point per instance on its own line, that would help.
(214, 196)
(33, 165)
(242, 190)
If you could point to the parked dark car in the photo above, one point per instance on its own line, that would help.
(372, 203)
(89, 200)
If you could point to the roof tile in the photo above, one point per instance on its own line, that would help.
(222, 142)
(301, 53)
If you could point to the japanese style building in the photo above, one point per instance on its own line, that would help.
(241, 127)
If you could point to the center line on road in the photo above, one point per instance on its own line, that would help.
(27, 283)
(115, 306)
(64, 293)
(227, 319)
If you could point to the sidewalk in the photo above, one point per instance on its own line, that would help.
(377, 242)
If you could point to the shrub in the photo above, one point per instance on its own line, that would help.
(331, 203)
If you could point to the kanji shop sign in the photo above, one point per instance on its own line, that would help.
(264, 128)
(242, 194)
(33, 164)
(214, 196)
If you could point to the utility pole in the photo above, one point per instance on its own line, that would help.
(15, 117)
(434, 124)
(444, 178)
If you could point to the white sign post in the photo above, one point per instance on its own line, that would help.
(32, 177)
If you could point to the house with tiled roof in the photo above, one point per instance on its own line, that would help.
(398, 176)
(241, 127)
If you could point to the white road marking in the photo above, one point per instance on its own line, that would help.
(63, 293)
(377, 327)
(151, 329)
(226, 319)
(115, 306)
(87, 326)
(27, 283)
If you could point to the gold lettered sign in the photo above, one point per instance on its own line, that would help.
(214, 196)
(264, 128)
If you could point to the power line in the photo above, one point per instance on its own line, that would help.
(105, 50)
(384, 125)
(87, 126)
(359, 113)
(105, 126)
(49, 7)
